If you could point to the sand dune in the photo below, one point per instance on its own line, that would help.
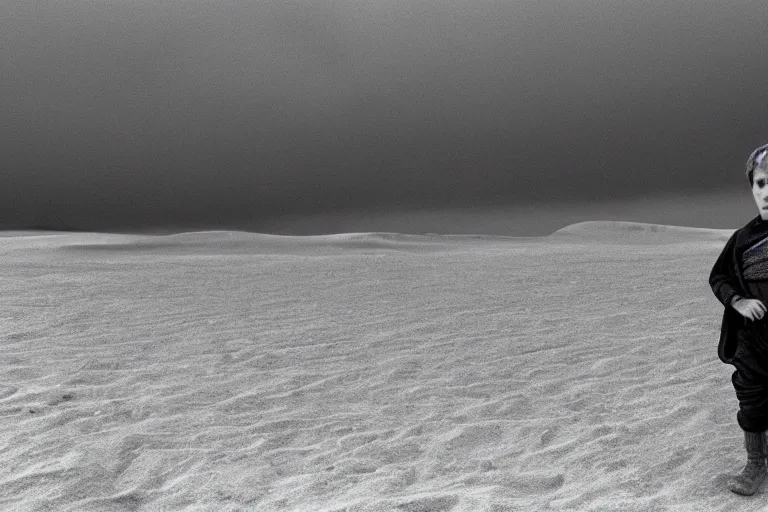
(246, 242)
(225, 371)
(607, 231)
(640, 232)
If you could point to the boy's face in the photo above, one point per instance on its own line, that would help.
(760, 191)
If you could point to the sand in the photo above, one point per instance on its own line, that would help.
(226, 371)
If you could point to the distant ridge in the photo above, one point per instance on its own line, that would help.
(605, 231)
(244, 242)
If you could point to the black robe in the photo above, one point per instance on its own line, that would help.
(727, 280)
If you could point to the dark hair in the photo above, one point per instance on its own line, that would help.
(752, 161)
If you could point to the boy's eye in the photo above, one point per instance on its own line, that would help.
(761, 183)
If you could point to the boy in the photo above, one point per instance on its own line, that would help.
(739, 280)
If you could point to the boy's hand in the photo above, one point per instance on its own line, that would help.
(752, 309)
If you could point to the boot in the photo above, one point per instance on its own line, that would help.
(748, 481)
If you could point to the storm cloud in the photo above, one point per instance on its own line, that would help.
(121, 115)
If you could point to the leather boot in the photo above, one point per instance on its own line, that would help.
(748, 481)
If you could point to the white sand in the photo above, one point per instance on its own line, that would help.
(225, 371)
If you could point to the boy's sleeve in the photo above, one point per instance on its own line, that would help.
(721, 278)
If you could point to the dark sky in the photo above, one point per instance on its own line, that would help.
(132, 115)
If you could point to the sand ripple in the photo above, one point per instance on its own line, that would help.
(366, 372)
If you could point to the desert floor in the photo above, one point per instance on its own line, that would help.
(224, 371)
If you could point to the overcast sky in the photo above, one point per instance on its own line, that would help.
(128, 115)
